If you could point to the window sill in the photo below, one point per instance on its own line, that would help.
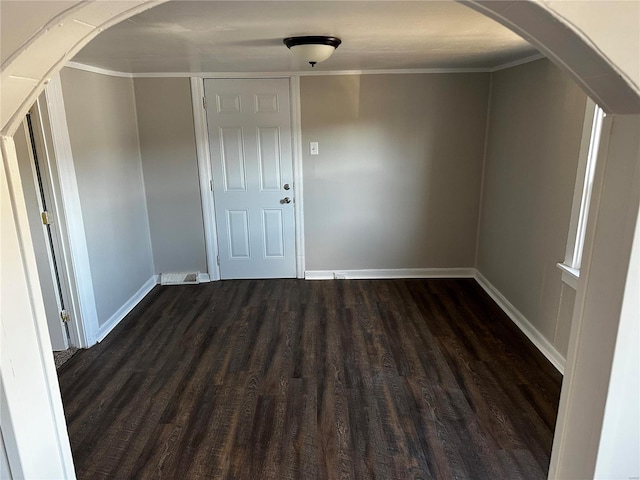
(569, 275)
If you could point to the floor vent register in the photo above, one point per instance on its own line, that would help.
(188, 278)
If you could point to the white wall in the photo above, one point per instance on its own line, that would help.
(397, 181)
(15, 34)
(535, 129)
(595, 20)
(618, 456)
(170, 166)
(39, 443)
(104, 140)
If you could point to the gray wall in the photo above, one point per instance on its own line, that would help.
(535, 128)
(397, 180)
(169, 162)
(104, 140)
(397, 183)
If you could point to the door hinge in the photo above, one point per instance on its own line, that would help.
(204, 102)
(45, 218)
(64, 316)
(218, 259)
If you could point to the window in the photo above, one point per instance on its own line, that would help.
(591, 132)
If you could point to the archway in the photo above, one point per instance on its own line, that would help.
(28, 381)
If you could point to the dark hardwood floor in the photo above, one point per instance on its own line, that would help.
(292, 379)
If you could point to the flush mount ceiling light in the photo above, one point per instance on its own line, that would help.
(312, 49)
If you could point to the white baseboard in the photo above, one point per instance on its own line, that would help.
(373, 274)
(532, 333)
(122, 312)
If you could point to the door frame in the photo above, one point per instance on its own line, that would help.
(206, 178)
(83, 326)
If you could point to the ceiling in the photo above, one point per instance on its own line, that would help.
(246, 36)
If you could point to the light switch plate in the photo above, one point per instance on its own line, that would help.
(313, 148)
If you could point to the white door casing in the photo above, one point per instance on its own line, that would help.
(249, 127)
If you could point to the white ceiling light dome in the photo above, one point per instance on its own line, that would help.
(312, 49)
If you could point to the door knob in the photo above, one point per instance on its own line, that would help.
(286, 186)
(285, 200)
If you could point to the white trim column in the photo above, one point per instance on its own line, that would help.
(79, 271)
(298, 187)
(205, 176)
(598, 307)
(33, 422)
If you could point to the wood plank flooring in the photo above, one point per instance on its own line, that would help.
(292, 379)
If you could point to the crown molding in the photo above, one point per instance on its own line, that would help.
(515, 63)
(287, 74)
(309, 73)
(98, 70)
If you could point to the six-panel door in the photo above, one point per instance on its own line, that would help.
(250, 142)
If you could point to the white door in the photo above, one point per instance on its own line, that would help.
(250, 142)
(34, 174)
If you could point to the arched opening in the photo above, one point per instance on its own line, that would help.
(20, 88)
